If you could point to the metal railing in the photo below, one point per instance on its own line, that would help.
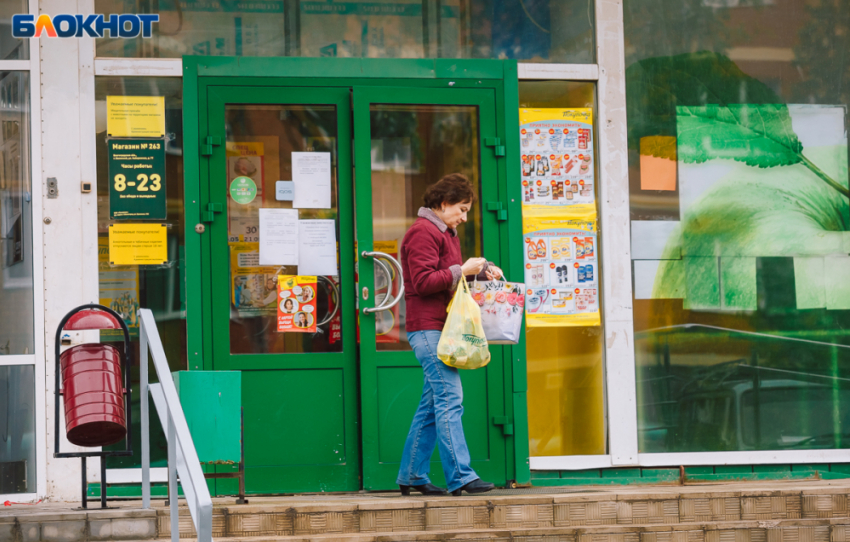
(182, 457)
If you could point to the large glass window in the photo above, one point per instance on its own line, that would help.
(160, 288)
(566, 394)
(16, 243)
(740, 222)
(12, 48)
(529, 30)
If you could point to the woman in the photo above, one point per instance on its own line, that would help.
(289, 306)
(431, 263)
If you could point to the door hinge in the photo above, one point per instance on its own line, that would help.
(496, 143)
(212, 209)
(505, 422)
(497, 207)
(209, 143)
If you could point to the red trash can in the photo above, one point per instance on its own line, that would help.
(92, 384)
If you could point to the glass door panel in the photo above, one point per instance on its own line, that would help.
(410, 138)
(412, 147)
(260, 143)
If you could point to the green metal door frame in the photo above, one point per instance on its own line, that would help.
(202, 73)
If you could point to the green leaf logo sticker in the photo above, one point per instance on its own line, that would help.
(243, 190)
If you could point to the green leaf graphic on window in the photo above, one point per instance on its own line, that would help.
(722, 113)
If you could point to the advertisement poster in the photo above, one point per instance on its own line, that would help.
(387, 323)
(137, 179)
(118, 289)
(561, 270)
(253, 288)
(245, 174)
(335, 325)
(557, 157)
(296, 303)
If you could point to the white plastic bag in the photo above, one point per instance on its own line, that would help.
(463, 344)
(502, 306)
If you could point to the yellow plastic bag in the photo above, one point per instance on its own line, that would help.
(463, 344)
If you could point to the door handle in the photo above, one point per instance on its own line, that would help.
(333, 288)
(384, 306)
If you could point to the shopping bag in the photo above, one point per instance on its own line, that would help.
(502, 306)
(463, 344)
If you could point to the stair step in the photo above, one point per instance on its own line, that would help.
(367, 514)
(811, 530)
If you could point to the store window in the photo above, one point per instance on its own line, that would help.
(740, 223)
(566, 394)
(12, 48)
(17, 332)
(529, 30)
(160, 288)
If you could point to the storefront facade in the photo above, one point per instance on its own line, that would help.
(711, 187)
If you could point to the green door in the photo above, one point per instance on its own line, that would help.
(405, 140)
(330, 410)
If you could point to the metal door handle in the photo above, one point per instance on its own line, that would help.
(386, 306)
(335, 290)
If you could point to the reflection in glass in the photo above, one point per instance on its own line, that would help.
(12, 48)
(159, 288)
(16, 240)
(530, 30)
(17, 429)
(414, 146)
(260, 143)
(739, 203)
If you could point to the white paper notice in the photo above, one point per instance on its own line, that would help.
(278, 237)
(317, 248)
(311, 172)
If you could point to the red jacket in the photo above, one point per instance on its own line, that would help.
(431, 265)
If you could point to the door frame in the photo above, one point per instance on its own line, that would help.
(200, 73)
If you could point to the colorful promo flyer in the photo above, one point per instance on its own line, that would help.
(296, 303)
(118, 289)
(561, 270)
(254, 288)
(557, 157)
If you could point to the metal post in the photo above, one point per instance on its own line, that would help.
(103, 482)
(172, 480)
(85, 485)
(143, 385)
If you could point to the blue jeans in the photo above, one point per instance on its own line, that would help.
(437, 420)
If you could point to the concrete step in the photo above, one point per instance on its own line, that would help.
(806, 530)
(367, 514)
(34, 525)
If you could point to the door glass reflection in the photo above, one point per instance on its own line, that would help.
(413, 146)
(260, 143)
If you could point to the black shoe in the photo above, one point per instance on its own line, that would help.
(475, 486)
(425, 489)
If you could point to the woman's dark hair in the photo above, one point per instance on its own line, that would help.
(451, 189)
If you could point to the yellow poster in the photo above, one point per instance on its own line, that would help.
(561, 268)
(118, 286)
(135, 116)
(138, 244)
(253, 289)
(557, 157)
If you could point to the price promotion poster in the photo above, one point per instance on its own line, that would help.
(557, 157)
(561, 271)
(296, 303)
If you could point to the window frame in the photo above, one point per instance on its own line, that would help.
(37, 359)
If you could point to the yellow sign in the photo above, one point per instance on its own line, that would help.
(135, 116)
(138, 244)
(554, 115)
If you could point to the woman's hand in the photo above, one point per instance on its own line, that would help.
(473, 266)
(494, 273)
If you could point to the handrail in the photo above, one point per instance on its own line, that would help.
(182, 456)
